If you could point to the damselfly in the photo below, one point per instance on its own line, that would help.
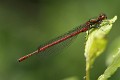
(64, 40)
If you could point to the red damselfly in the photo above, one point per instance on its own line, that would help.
(64, 40)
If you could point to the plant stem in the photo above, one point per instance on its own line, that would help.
(87, 70)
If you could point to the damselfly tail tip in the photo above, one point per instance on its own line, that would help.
(19, 60)
(27, 56)
(22, 58)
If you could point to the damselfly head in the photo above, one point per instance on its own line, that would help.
(102, 17)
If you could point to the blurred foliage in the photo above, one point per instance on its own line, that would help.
(25, 24)
(111, 54)
(112, 68)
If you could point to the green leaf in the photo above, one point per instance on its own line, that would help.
(96, 43)
(112, 67)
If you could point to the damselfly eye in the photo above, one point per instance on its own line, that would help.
(102, 16)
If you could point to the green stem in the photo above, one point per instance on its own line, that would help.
(87, 70)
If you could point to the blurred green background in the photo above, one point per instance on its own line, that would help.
(25, 24)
